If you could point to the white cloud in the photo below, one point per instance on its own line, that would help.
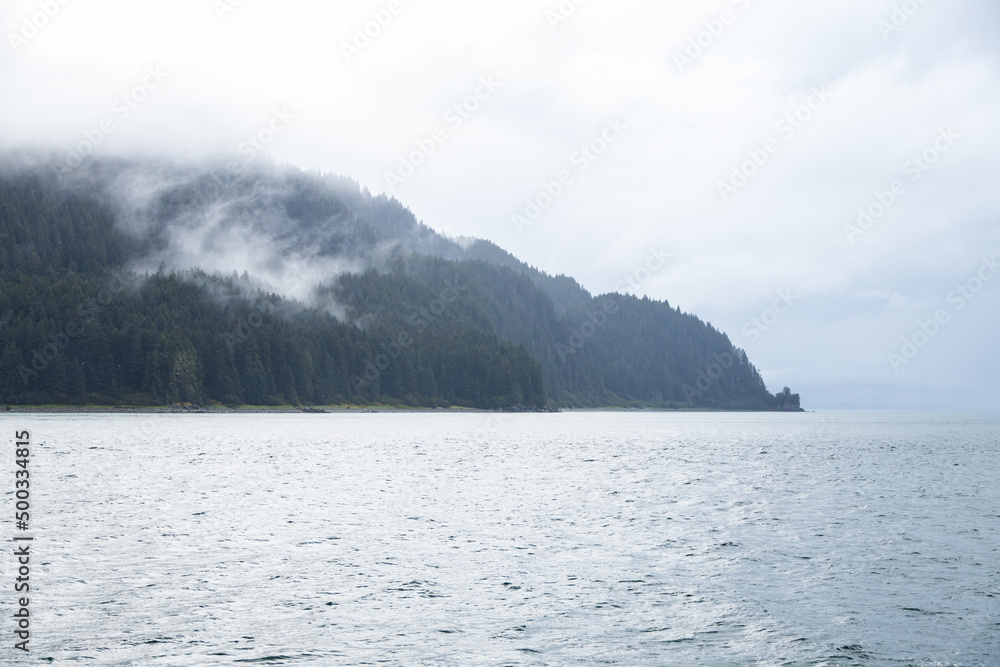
(656, 186)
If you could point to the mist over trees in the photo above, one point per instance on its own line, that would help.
(150, 283)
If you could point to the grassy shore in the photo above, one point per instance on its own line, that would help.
(225, 409)
(291, 409)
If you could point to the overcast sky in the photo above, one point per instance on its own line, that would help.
(740, 136)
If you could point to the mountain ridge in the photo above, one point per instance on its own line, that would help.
(364, 303)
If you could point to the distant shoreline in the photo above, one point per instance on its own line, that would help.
(328, 409)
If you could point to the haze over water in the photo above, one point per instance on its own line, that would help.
(539, 539)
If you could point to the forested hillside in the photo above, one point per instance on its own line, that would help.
(155, 284)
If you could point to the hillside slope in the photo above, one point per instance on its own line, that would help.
(154, 283)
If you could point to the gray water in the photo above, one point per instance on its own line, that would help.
(548, 539)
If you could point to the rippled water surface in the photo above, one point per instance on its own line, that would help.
(477, 539)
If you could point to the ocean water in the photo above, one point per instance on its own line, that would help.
(580, 538)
